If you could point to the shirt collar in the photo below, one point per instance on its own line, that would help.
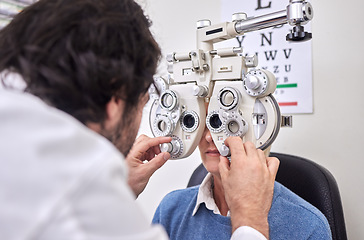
(205, 195)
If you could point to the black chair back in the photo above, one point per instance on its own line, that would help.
(308, 180)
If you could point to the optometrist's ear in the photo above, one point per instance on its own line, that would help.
(114, 110)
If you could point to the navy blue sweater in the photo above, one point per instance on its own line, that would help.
(290, 218)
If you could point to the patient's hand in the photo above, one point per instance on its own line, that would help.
(248, 182)
(144, 159)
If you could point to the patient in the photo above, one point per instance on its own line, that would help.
(201, 212)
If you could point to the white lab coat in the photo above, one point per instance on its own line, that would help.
(60, 180)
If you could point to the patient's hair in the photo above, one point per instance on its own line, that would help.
(77, 54)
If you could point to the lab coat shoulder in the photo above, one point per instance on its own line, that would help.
(62, 180)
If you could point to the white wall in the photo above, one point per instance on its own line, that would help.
(331, 136)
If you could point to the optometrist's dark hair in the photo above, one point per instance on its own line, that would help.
(78, 54)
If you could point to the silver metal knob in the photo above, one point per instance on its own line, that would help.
(170, 57)
(251, 61)
(166, 147)
(173, 147)
(299, 12)
(252, 82)
(224, 151)
(200, 91)
(239, 16)
(203, 23)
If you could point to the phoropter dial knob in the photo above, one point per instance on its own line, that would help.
(256, 83)
(175, 147)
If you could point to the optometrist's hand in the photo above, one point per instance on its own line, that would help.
(144, 159)
(248, 182)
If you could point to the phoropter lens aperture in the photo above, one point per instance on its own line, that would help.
(162, 126)
(189, 121)
(215, 121)
(233, 127)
